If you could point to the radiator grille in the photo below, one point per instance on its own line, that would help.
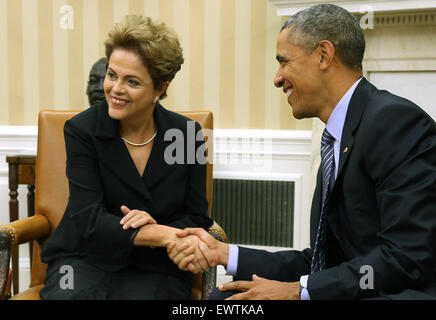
(255, 212)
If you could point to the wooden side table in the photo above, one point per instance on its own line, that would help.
(21, 171)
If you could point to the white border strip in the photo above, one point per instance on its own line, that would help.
(290, 7)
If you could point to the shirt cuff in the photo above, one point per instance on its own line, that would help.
(232, 262)
(303, 283)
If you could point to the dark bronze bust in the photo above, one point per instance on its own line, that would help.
(95, 90)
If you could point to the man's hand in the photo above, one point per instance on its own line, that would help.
(183, 255)
(135, 218)
(199, 254)
(263, 289)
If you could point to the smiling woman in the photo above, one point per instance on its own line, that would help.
(131, 94)
(126, 202)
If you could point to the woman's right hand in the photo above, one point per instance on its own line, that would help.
(135, 218)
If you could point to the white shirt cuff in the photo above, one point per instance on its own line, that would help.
(304, 293)
(232, 262)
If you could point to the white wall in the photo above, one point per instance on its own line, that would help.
(417, 86)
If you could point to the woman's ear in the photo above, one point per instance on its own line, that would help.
(163, 88)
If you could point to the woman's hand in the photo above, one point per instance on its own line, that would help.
(135, 218)
(192, 252)
(157, 235)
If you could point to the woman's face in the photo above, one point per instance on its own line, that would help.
(128, 87)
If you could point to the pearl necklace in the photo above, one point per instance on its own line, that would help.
(140, 144)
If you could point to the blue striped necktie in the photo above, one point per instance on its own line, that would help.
(328, 169)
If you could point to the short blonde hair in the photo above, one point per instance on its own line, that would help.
(155, 42)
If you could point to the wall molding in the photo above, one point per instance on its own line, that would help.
(290, 7)
(260, 147)
(393, 19)
(399, 65)
(16, 140)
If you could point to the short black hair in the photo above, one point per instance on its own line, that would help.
(332, 23)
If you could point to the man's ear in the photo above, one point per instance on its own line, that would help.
(327, 53)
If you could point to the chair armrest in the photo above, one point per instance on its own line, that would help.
(5, 253)
(15, 233)
(209, 276)
(25, 230)
(217, 232)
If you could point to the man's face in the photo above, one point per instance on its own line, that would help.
(95, 90)
(298, 75)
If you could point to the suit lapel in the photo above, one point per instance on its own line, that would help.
(356, 108)
(157, 169)
(357, 105)
(114, 155)
(347, 142)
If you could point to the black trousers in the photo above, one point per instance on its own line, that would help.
(216, 294)
(87, 282)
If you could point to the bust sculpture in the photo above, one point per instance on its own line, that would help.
(97, 74)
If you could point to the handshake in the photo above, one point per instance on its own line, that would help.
(196, 250)
(191, 249)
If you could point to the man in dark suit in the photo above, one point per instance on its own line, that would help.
(373, 218)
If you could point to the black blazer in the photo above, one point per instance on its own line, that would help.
(102, 176)
(382, 208)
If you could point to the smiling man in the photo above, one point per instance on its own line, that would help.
(373, 221)
(314, 73)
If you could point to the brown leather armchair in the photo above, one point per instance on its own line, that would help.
(52, 196)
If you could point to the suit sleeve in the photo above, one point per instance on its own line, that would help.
(194, 210)
(288, 265)
(94, 229)
(400, 152)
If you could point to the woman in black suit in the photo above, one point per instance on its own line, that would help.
(127, 196)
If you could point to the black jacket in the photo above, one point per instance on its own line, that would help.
(102, 176)
(382, 208)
